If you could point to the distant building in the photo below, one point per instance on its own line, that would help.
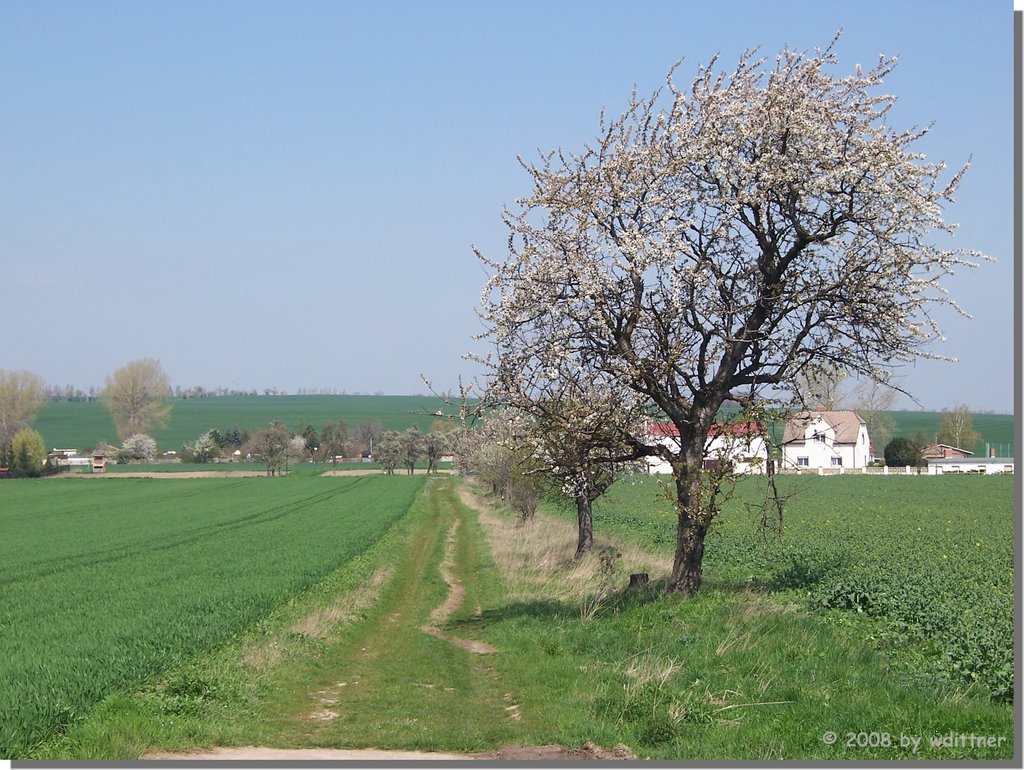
(741, 445)
(66, 459)
(943, 451)
(814, 440)
(968, 464)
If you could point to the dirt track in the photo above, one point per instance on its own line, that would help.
(266, 753)
(549, 753)
(383, 636)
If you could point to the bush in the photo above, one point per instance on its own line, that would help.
(901, 452)
(137, 447)
(27, 453)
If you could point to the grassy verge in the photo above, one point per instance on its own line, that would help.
(730, 673)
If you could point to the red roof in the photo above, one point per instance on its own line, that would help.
(667, 429)
(661, 429)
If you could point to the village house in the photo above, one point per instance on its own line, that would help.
(741, 445)
(817, 440)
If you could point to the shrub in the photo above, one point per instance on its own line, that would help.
(137, 447)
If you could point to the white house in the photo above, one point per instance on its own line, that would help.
(815, 440)
(740, 444)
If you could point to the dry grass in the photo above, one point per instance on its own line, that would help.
(652, 669)
(536, 558)
(319, 624)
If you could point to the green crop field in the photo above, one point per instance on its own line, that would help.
(927, 559)
(84, 424)
(106, 583)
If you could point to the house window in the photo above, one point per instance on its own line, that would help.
(819, 437)
(803, 461)
(837, 462)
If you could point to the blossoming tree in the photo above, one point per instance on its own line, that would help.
(576, 425)
(719, 241)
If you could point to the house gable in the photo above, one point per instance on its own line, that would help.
(836, 439)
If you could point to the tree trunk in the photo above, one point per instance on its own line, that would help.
(686, 567)
(585, 525)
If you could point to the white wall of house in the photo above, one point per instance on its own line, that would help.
(748, 455)
(819, 449)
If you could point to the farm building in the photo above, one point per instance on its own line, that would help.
(813, 440)
(943, 451)
(968, 464)
(69, 458)
(741, 445)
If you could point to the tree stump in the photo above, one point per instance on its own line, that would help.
(638, 580)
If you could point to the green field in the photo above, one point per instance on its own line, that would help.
(928, 560)
(84, 424)
(107, 583)
(995, 429)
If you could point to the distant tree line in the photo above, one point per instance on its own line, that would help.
(70, 393)
(276, 446)
(75, 393)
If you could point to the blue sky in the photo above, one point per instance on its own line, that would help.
(271, 194)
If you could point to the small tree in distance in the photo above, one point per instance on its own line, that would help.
(577, 429)
(411, 448)
(27, 452)
(21, 395)
(871, 402)
(388, 450)
(204, 449)
(138, 397)
(270, 446)
(956, 428)
(435, 445)
(333, 441)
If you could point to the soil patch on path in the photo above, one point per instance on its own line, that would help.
(456, 596)
(549, 753)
